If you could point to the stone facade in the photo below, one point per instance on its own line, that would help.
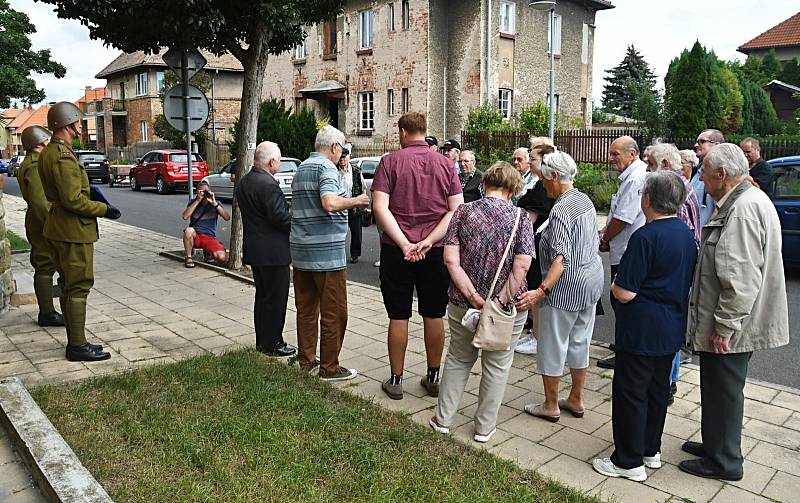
(444, 60)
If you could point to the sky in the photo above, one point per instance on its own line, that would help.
(660, 30)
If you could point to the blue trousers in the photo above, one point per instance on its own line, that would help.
(675, 373)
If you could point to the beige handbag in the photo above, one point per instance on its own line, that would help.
(496, 325)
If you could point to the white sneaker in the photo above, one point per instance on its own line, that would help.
(438, 428)
(653, 462)
(377, 263)
(526, 345)
(484, 438)
(606, 467)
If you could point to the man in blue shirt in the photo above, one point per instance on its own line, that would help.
(706, 140)
(203, 212)
(652, 286)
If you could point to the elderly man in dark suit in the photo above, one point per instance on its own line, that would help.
(266, 220)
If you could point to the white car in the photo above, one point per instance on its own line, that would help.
(368, 166)
(222, 185)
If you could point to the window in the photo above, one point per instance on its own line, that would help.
(330, 37)
(787, 186)
(585, 45)
(390, 102)
(505, 102)
(159, 81)
(390, 15)
(365, 29)
(366, 112)
(406, 100)
(184, 158)
(141, 84)
(406, 15)
(508, 17)
(300, 50)
(143, 129)
(557, 36)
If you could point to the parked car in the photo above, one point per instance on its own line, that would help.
(222, 185)
(14, 163)
(368, 166)
(4, 165)
(786, 197)
(166, 170)
(95, 163)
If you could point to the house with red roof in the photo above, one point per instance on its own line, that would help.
(784, 38)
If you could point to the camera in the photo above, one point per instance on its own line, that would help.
(207, 194)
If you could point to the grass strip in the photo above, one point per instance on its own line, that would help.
(18, 243)
(243, 428)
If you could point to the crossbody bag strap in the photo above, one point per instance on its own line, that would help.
(505, 254)
(193, 221)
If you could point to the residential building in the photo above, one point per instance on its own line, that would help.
(88, 105)
(133, 82)
(784, 38)
(783, 98)
(27, 117)
(381, 58)
(7, 116)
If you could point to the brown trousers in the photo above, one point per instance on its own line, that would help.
(321, 302)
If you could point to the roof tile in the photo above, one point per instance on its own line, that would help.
(129, 60)
(785, 34)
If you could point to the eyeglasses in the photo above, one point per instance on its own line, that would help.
(520, 159)
(462, 161)
(701, 141)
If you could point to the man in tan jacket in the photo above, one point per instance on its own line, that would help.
(738, 305)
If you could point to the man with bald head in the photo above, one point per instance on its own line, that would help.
(625, 216)
(266, 220)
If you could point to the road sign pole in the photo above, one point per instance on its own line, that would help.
(186, 127)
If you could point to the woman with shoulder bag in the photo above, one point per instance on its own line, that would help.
(352, 180)
(488, 249)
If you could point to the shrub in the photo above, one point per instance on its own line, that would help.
(594, 181)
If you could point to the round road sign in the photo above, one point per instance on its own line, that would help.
(197, 105)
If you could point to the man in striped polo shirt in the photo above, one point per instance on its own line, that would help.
(317, 243)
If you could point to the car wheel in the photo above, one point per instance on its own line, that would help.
(135, 184)
(161, 186)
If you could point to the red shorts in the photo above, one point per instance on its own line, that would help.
(208, 243)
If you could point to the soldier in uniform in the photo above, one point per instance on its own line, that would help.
(34, 139)
(71, 226)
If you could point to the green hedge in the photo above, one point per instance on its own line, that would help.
(594, 181)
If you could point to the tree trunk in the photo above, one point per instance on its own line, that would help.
(255, 64)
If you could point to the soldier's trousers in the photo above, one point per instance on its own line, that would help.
(44, 267)
(75, 265)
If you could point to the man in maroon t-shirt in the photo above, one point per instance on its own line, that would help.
(415, 193)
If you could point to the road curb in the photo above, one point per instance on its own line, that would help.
(61, 476)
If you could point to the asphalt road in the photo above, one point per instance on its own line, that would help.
(151, 211)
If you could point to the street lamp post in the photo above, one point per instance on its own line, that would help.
(551, 6)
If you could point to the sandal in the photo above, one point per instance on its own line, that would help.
(564, 405)
(188, 262)
(536, 410)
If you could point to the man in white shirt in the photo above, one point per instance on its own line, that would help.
(626, 215)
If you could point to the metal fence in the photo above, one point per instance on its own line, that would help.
(373, 149)
(591, 145)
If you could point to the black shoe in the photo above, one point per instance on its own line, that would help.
(86, 353)
(673, 389)
(694, 448)
(607, 363)
(704, 468)
(53, 319)
(281, 350)
(354, 260)
(612, 347)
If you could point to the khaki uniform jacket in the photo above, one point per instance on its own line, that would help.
(73, 215)
(739, 288)
(31, 187)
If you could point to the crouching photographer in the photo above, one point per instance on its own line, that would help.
(203, 212)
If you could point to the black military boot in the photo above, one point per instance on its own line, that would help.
(86, 353)
(52, 319)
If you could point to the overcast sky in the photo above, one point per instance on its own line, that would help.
(659, 30)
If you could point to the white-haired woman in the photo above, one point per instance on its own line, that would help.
(572, 285)
(689, 162)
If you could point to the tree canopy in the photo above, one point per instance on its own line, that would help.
(251, 30)
(18, 60)
(625, 83)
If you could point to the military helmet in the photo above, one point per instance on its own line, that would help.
(34, 135)
(62, 114)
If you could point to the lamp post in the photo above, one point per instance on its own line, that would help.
(551, 6)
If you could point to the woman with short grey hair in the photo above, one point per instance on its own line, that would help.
(572, 285)
(652, 286)
(689, 161)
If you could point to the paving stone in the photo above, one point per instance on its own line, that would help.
(217, 341)
(787, 400)
(626, 491)
(784, 488)
(771, 433)
(680, 426)
(530, 427)
(731, 493)
(777, 457)
(756, 477)
(576, 443)
(793, 422)
(759, 392)
(573, 472)
(527, 454)
(671, 480)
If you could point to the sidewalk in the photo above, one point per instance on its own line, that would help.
(150, 310)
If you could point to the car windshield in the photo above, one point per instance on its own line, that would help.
(182, 158)
(368, 168)
(91, 157)
(288, 167)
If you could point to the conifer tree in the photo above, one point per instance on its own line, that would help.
(618, 96)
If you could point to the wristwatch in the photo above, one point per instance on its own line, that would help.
(217, 206)
(546, 290)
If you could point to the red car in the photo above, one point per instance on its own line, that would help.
(166, 170)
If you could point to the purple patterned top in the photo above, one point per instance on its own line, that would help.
(481, 230)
